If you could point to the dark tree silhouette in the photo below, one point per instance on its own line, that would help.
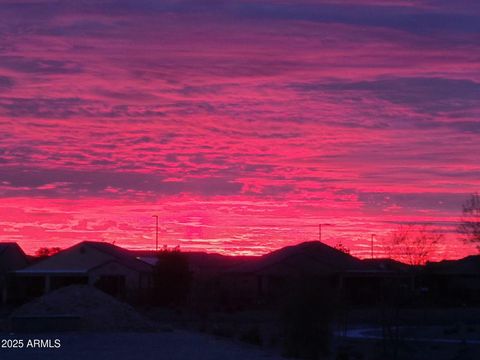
(305, 318)
(413, 244)
(172, 278)
(45, 252)
(339, 246)
(470, 224)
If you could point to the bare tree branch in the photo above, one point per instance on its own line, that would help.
(470, 223)
(413, 244)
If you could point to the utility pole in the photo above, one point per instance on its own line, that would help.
(371, 246)
(320, 230)
(156, 232)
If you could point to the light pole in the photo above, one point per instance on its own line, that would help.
(156, 232)
(371, 246)
(320, 230)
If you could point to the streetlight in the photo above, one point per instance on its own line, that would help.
(371, 246)
(156, 232)
(320, 230)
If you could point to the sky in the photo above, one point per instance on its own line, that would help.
(241, 124)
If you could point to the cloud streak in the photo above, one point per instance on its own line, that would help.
(243, 124)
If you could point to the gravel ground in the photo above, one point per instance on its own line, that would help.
(97, 310)
(174, 345)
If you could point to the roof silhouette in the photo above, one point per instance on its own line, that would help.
(5, 245)
(313, 257)
(9, 262)
(84, 256)
(469, 265)
(386, 264)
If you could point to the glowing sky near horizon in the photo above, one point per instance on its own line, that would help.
(242, 124)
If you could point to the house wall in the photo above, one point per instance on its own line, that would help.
(259, 289)
(133, 279)
(453, 289)
(12, 258)
(3, 290)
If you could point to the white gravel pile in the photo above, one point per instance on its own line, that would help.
(98, 311)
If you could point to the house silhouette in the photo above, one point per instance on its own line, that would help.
(12, 258)
(106, 266)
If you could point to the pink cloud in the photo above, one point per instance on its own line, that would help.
(243, 128)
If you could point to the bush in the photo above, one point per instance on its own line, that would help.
(306, 318)
(172, 278)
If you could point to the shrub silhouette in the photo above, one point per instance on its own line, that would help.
(45, 252)
(306, 317)
(172, 278)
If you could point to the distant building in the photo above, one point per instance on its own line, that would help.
(272, 275)
(454, 281)
(108, 267)
(378, 281)
(12, 258)
(312, 264)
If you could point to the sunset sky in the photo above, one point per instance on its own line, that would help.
(241, 124)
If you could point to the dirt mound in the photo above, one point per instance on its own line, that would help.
(97, 310)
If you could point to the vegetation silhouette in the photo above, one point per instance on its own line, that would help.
(172, 278)
(413, 244)
(341, 247)
(470, 223)
(306, 317)
(45, 252)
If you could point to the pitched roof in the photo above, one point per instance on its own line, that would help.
(6, 245)
(314, 257)
(386, 264)
(199, 261)
(469, 265)
(13, 259)
(85, 256)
